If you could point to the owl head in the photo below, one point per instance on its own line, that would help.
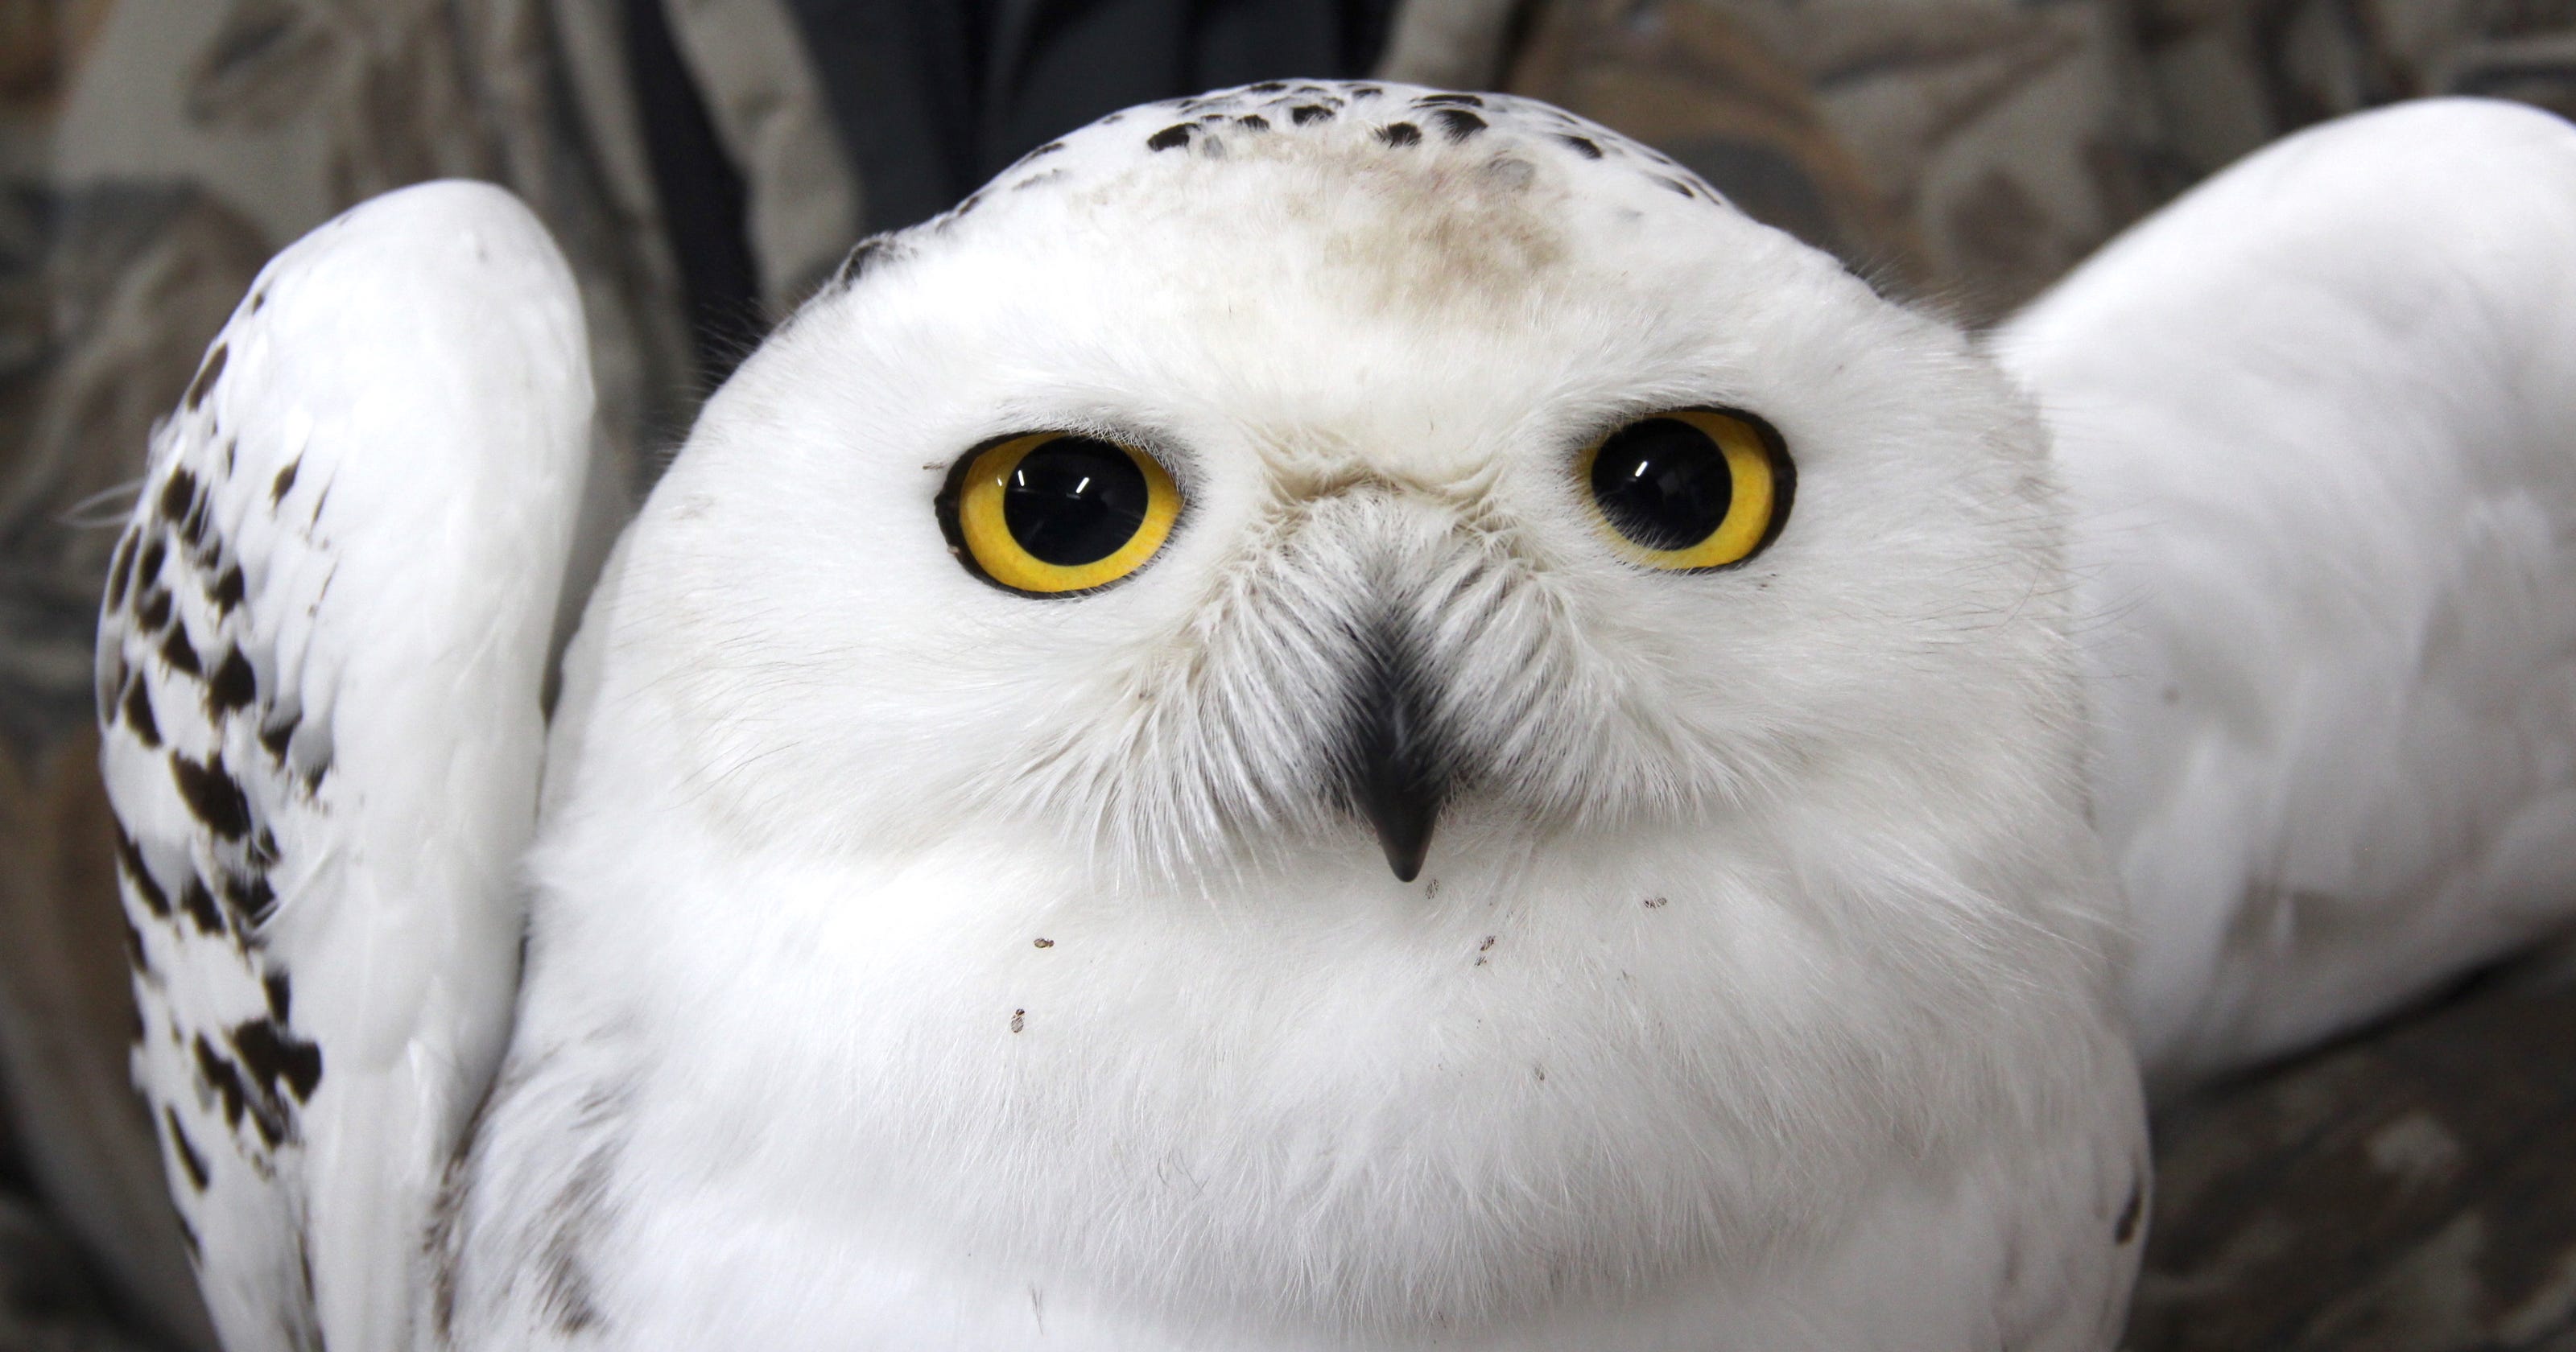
(1318, 473)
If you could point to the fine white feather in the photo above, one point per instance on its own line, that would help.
(2318, 424)
(320, 664)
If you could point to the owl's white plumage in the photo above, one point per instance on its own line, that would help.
(2319, 424)
(915, 964)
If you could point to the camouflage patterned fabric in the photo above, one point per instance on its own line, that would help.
(2407, 1191)
(2410, 1189)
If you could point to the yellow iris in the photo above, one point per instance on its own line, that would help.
(1054, 513)
(1689, 490)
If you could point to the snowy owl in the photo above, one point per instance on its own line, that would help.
(1333, 716)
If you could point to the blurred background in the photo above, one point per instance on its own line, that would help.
(705, 163)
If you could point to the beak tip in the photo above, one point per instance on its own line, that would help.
(1405, 836)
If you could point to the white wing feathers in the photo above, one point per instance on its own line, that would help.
(2318, 420)
(319, 669)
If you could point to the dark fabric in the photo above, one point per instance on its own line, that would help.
(701, 196)
(934, 96)
(900, 78)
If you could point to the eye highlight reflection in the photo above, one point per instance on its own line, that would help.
(1057, 513)
(1690, 490)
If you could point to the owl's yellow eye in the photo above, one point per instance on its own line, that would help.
(1690, 490)
(1053, 513)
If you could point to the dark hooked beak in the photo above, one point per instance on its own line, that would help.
(1397, 777)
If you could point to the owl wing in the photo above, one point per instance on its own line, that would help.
(2318, 425)
(320, 661)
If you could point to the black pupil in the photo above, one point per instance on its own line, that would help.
(1074, 500)
(1663, 483)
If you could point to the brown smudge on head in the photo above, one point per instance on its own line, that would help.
(1441, 233)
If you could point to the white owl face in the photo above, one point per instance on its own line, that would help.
(1352, 353)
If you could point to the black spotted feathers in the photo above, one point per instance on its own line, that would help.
(1392, 119)
(181, 698)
